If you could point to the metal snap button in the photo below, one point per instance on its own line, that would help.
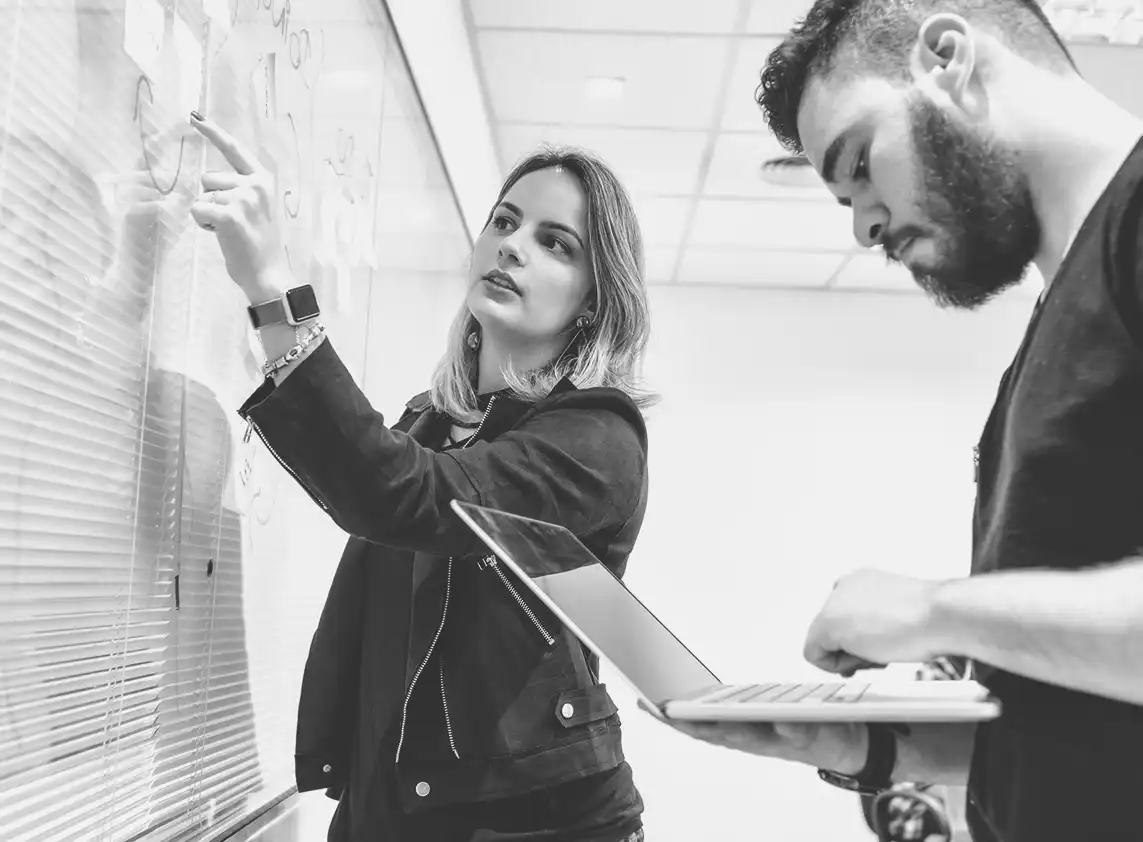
(567, 710)
(423, 789)
(327, 768)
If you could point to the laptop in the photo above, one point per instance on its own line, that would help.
(670, 681)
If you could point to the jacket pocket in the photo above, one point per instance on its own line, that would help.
(583, 707)
(490, 562)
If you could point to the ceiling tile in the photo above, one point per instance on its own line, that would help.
(709, 16)
(757, 267)
(1109, 68)
(776, 17)
(742, 113)
(762, 224)
(647, 161)
(869, 270)
(662, 221)
(671, 82)
(735, 170)
(660, 263)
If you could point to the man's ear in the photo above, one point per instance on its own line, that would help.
(945, 53)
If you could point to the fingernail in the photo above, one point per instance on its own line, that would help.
(196, 117)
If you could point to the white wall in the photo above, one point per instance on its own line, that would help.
(801, 435)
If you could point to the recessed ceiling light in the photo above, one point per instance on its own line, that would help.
(604, 87)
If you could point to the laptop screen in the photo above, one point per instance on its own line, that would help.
(610, 618)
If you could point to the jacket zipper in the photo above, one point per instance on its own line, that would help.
(250, 425)
(448, 721)
(548, 639)
(437, 636)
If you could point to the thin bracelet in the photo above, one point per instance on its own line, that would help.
(291, 355)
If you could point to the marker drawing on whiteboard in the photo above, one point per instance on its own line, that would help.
(301, 46)
(164, 191)
(293, 212)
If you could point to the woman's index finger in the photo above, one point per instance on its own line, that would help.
(224, 142)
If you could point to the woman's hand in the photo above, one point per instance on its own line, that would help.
(239, 207)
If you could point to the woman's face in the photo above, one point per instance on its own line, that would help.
(530, 276)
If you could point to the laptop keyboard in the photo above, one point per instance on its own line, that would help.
(835, 693)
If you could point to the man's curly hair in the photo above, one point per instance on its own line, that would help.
(876, 37)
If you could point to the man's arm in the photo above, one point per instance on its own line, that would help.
(1077, 629)
(934, 754)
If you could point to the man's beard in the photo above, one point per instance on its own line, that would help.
(979, 207)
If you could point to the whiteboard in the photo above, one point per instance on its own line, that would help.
(160, 576)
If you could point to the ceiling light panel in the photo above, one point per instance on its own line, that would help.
(671, 82)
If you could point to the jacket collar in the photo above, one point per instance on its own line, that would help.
(421, 402)
(506, 411)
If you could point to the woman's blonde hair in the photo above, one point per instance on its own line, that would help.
(609, 351)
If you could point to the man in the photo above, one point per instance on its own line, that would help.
(968, 147)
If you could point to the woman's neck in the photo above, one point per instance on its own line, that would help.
(494, 356)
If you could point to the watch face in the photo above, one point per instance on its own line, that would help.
(303, 303)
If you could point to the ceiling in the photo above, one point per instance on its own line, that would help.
(685, 134)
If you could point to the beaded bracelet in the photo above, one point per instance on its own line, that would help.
(296, 351)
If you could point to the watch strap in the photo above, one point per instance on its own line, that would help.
(295, 307)
(880, 761)
(270, 312)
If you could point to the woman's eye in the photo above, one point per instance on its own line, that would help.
(861, 168)
(557, 245)
(501, 223)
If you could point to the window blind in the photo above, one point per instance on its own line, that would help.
(159, 576)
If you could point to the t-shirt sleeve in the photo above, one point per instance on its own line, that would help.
(1127, 262)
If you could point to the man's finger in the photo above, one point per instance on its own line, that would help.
(856, 665)
(231, 149)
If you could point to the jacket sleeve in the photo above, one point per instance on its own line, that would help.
(578, 466)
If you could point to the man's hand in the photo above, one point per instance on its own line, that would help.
(874, 617)
(840, 747)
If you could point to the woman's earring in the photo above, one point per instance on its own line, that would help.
(474, 340)
(582, 322)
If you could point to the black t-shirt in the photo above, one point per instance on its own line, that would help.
(1060, 485)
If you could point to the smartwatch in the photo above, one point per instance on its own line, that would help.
(880, 760)
(297, 306)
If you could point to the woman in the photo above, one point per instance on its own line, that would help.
(439, 703)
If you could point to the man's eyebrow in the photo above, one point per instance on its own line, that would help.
(832, 154)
